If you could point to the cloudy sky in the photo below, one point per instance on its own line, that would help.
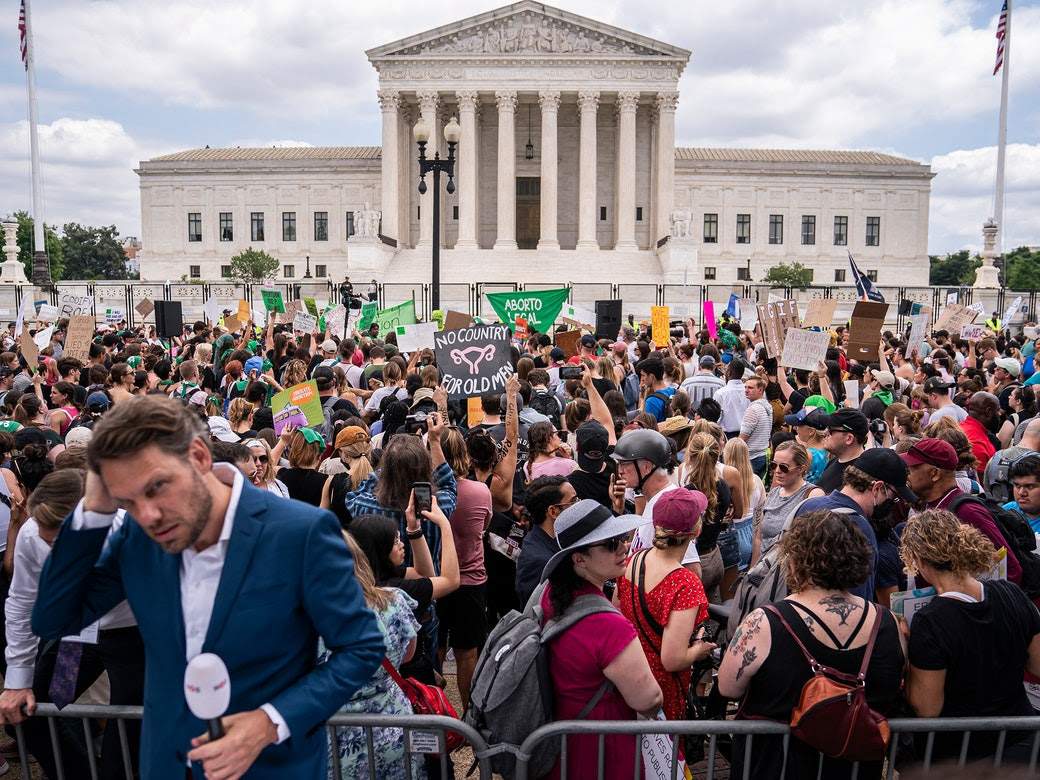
(121, 81)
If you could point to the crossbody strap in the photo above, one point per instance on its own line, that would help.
(816, 665)
(394, 674)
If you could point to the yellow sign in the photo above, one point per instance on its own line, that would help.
(659, 329)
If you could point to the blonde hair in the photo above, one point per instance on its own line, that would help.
(941, 540)
(270, 467)
(239, 410)
(736, 454)
(701, 457)
(360, 467)
(295, 372)
(375, 597)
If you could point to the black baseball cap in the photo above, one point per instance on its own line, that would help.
(588, 341)
(886, 466)
(592, 443)
(851, 420)
(935, 384)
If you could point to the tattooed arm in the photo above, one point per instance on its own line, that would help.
(745, 655)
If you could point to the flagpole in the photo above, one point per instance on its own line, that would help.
(41, 267)
(998, 198)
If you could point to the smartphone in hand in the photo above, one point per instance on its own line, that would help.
(423, 493)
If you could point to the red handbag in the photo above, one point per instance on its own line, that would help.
(427, 700)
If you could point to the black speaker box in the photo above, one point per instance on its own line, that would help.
(608, 319)
(168, 319)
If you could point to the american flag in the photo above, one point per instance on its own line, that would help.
(22, 35)
(1002, 30)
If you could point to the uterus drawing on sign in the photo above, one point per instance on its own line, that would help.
(473, 356)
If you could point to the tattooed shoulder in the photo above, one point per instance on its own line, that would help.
(840, 606)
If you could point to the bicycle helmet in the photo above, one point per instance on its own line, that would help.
(643, 445)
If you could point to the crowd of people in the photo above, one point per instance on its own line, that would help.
(649, 475)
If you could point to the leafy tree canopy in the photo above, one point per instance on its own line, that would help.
(784, 275)
(1022, 269)
(92, 252)
(252, 266)
(954, 270)
(52, 243)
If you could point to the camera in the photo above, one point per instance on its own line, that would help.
(415, 423)
(570, 372)
(877, 427)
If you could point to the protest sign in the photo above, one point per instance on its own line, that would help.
(304, 322)
(978, 306)
(520, 328)
(539, 307)
(336, 320)
(453, 320)
(568, 342)
(288, 315)
(232, 323)
(311, 305)
(951, 297)
(389, 319)
(954, 317)
(113, 316)
(43, 337)
(273, 300)
(733, 307)
(852, 392)
(47, 313)
(299, 406)
(774, 298)
(918, 331)
(775, 318)
(748, 314)
(23, 312)
(245, 312)
(437, 315)
(868, 318)
(577, 317)
(144, 307)
(70, 305)
(78, 337)
(1012, 310)
(971, 332)
(659, 325)
(474, 361)
(211, 309)
(708, 309)
(804, 348)
(418, 335)
(820, 313)
(30, 350)
(368, 314)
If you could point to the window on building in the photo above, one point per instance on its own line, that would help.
(872, 275)
(808, 229)
(709, 272)
(602, 213)
(321, 226)
(639, 213)
(455, 212)
(321, 271)
(288, 226)
(227, 226)
(225, 272)
(711, 228)
(256, 226)
(194, 226)
(776, 228)
(839, 274)
(195, 271)
(350, 224)
(873, 231)
(841, 231)
(743, 228)
(744, 274)
(289, 271)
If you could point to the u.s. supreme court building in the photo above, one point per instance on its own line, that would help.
(567, 171)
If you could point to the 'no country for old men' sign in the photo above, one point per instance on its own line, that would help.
(475, 361)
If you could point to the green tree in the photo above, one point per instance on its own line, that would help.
(954, 270)
(92, 252)
(784, 275)
(252, 266)
(25, 245)
(1022, 269)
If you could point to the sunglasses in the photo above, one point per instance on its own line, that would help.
(260, 458)
(612, 545)
(839, 430)
(784, 468)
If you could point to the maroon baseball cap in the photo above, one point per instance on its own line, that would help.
(932, 452)
(680, 510)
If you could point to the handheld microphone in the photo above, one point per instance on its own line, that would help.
(207, 689)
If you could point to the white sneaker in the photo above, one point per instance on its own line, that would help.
(4, 767)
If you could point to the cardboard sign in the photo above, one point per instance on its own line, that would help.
(245, 312)
(568, 341)
(78, 337)
(453, 320)
(144, 308)
(972, 332)
(47, 313)
(1012, 310)
(30, 351)
(299, 405)
(304, 322)
(75, 305)
(474, 412)
(311, 306)
(804, 348)
(273, 300)
(659, 325)
(418, 335)
(708, 309)
(918, 332)
(775, 319)
(232, 323)
(475, 361)
(820, 313)
(868, 320)
(954, 317)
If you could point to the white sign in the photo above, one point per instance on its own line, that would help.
(43, 338)
(336, 320)
(114, 316)
(1012, 311)
(748, 314)
(47, 313)
(212, 310)
(774, 298)
(70, 305)
(411, 338)
(918, 331)
(971, 332)
(305, 322)
(23, 310)
(951, 297)
(583, 316)
(804, 348)
(852, 392)
(978, 306)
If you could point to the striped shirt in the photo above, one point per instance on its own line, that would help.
(757, 425)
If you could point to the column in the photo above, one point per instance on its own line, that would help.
(428, 111)
(549, 102)
(626, 170)
(664, 192)
(390, 101)
(467, 170)
(588, 102)
(506, 235)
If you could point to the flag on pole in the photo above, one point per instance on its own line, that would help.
(733, 308)
(23, 35)
(864, 286)
(1002, 30)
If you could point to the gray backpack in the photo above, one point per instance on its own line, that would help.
(512, 692)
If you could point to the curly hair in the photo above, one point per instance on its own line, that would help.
(294, 373)
(942, 541)
(826, 550)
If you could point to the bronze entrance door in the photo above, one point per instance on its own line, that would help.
(528, 212)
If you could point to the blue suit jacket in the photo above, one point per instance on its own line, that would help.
(288, 578)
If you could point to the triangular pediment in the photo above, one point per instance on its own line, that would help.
(528, 29)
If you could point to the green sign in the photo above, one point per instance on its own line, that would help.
(312, 306)
(401, 314)
(539, 307)
(273, 300)
(368, 313)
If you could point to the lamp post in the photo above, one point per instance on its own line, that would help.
(307, 273)
(421, 134)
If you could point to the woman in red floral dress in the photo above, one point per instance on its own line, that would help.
(666, 602)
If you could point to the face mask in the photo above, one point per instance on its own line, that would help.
(883, 510)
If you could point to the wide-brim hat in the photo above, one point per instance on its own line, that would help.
(585, 523)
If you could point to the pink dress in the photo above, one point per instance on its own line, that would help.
(554, 467)
(577, 659)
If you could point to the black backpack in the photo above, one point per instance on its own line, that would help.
(548, 403)
(1018, 534)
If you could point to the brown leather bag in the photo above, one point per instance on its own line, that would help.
(832, 714)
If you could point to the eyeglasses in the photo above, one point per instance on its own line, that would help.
(612, 545)
(784, 468)
(260, 458)
(566, 504)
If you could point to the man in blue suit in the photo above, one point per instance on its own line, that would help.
(211, 564)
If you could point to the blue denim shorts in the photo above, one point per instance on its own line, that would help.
(745, 537)
(729, 546)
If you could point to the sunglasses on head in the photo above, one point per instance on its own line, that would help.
(612, 545)
(784, 468)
